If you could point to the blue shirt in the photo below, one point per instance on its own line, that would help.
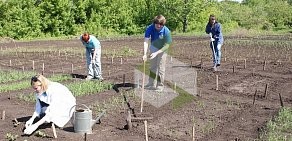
(158, 38)
(93, 42)
(216, 32)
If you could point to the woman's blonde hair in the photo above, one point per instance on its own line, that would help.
(41, 81)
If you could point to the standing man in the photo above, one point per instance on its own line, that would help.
(160, 41)
(93, 54)
(214, 29)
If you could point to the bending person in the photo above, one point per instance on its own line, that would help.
(93, 54)
(54, 103)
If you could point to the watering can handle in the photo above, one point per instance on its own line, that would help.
(85, 106)
(72, 121)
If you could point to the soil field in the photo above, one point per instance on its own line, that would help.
(233, 103)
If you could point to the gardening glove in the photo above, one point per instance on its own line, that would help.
(30, 121)
(30, 129)
(153, 55)
(144, 57)
(212, 40)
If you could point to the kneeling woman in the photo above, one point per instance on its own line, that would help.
(54, 103)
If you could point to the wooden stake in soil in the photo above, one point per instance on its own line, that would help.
(43, 70)
(193, 133)
(217, 81)
(254, 97)
(244, 64)
(281, 101)
(201, 66)
(266, 91)
(264, 66)
(85, 136)
(195, 82)
(3, 115)
(129, 120)
(124, 80)
(54, 130)
(32, 65)
(16, 123)
(10, 63)
(146, 132)
(233, 69)
(72, 68)
(191, 63)
(121, 61)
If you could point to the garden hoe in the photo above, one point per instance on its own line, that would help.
(213, 49)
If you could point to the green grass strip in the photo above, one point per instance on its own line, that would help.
(26, 83)
(13, 75)
(81, 88)
(122, 52)
(280, 129)
(78, 88)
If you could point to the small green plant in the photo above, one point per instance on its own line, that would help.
(11, 137)
(41, 134)
(209, 127)
(201, 104)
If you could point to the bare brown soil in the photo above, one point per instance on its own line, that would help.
(233, 112)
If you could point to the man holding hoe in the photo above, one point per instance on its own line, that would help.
(160, 41)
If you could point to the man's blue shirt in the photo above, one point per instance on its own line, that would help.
(158, 38)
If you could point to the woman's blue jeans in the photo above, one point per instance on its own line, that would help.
(217, 51)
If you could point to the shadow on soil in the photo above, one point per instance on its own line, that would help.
(127, 85)
(80, 76)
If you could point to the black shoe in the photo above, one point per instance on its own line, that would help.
(217, 65)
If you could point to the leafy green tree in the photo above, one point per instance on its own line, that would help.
(279, 13)
(56, 17)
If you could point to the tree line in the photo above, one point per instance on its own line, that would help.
(26, 19)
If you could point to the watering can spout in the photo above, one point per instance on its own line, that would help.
(97, 119)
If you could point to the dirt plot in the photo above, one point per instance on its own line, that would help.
(253, 73)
